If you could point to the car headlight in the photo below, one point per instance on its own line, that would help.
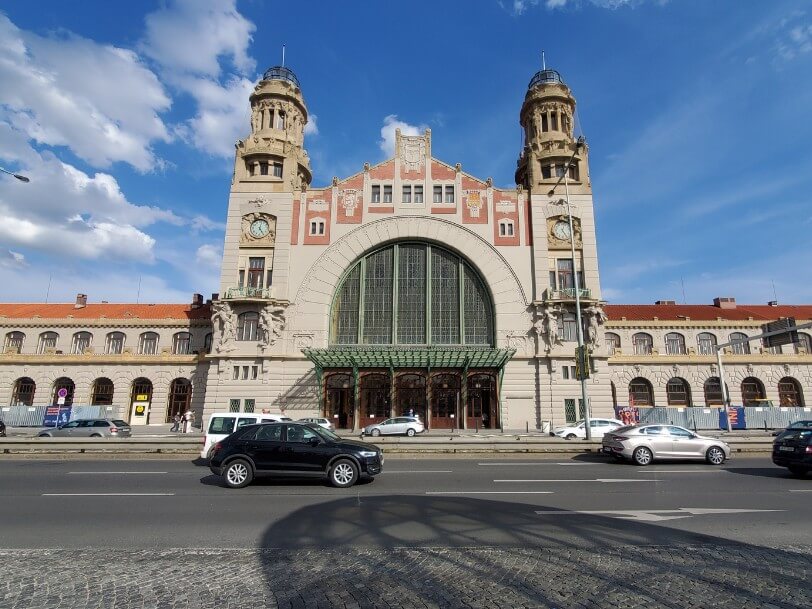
(368, 454)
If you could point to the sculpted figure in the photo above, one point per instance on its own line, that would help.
(271, 323)
(223, 320)
(546, 325)
(596, 319)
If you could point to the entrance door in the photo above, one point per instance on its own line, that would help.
(375, 402)
(339, 400)
(445, 401)
(180, 398)
(411, 396)
(481, 398)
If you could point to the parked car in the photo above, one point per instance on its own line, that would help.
(293, 449)
(598, 427)
(792, 426)
(2, 429)
(793, 450)
(221, 424)
(89, 428)
(398, 425)
(319, 421)
(646, 443)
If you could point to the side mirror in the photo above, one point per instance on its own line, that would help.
(314, 442)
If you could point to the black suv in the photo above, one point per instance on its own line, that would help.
(793, 450)
(292, 449)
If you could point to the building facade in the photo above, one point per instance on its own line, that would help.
(409, 286)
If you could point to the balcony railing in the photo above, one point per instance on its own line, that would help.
(248, 292)
(566, 294)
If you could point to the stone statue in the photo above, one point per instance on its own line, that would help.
(256, 120)
(223, 320)
(596, 318)
(547, 325)
(271, 324)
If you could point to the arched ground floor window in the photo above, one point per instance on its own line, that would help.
(752, 391)
(23, 392)
(180, 398)
(102, 392)
(678, 392)
(641, 393)
(790, 392)
(64, 389)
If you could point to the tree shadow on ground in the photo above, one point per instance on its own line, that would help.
(450, 551)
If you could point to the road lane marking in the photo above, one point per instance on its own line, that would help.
(419, 471)
(117, 473)
(651, 515)
(609, 480)
(108, 494)
(680, 471)
(800, 490)
(489, 492)
(508, 464)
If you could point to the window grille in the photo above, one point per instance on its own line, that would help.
(804, 343)
(678, 393)
(445, 312)
(789, 392)
(148, 343)
(47, 340)
(752, 391)
(66, 384)
(643, 344)
(640, 393)
(115, 343)
(674, 344)
(713, 392)
(739, 348)
(706, 342)
(612, 342)
(234, 405)
(378, 302)
(411, 294)
(477, 311)
(23, 393)
(102, 392)
(249, 405)
(14, 342)
(346, 309)
(81, 341)
(182, 343)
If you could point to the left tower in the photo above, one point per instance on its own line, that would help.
(271, 170)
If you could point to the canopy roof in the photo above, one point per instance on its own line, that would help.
(386, 356)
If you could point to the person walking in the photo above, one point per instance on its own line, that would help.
(175, 423)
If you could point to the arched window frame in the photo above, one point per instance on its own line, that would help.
(102, 394)
(182, 343)
(24, 391)
(612, 342)
(712, 391)
(248, 326)
(148, 343)
(752, 390)
(706, 343)
(114, 343)
(47, 340)
(641, 392)
(739, 348)
(14, 342)
(405, 309)
(678, 392)
(66, 383)
(790, 392)
(804, 344)
(208, 341)
(675, 344)
(643, 343)
(81, 341)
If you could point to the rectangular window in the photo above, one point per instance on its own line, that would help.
(418, 194)
(553, 283)
(263, 168)
(256, 272)
(546, 172)
(565, 371)
(407, 194)
(245, 373)
(559, 170)
(376, 193)
(249, 406)
(254, 372)
(574, 171)
(321, 228)
(438, 194)
(554, 116)
(236, 373)
(564, 266)
(314, 227)
(449, 194)
(506, 229)
(277, 170)
(568, 330)
(233, 406)
(242, 278)
(544, 126)
(387, 193)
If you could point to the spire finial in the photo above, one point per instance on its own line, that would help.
(283, 55)
(543, 61)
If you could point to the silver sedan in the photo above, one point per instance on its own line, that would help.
(89, 428)
(642, 444)
(399, 425)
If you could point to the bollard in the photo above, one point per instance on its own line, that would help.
(527, 427)
(477, 425)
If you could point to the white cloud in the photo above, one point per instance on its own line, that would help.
(12, 260)
(98, 100)
(390, 124)
(312, 127)
(794, 42)
(210, 256)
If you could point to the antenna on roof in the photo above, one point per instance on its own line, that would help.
(48, 291)
(682, 281)
(283, 55)
(775, 296)
(138, 295)
(543, 61)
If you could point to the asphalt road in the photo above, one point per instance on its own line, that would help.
(484, 520)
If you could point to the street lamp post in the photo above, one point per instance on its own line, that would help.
(20, 177)
(579, 329)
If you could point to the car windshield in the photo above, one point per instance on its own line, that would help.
(326, 433)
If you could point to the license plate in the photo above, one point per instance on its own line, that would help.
(787, 448)
(606, 449)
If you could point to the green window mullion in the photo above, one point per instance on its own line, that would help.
(461, 298)
(395, 278)
(428, 294)
(361, 300)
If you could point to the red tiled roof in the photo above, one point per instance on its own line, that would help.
(677, 312)
(107, 311)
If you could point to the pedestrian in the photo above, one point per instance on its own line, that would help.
(175, 422)
(187, 421)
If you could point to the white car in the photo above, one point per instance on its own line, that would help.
(406, 425)
(598, 427)
(320, 421)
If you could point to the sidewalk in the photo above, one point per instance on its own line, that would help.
(138, 431)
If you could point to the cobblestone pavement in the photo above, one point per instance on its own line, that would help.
(736, 576)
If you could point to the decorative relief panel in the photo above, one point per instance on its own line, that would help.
(558, 232)
(258, 230)
(412, 152)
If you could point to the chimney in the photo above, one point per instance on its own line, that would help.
(665, 302)
(724, 303)
(197, 300)
(215, 296)
(772, 303)
(81, 301)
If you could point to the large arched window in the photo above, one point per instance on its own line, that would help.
(102, 392)
(643, 343)
(248, 325)
(740, 348)
(182, 343)
(612, 342)
(47, 342)
(706, 343)
(14, 342)
(641, 393)
(804, 344)
(64, 388)
(23, 393)
(412, 294)
(713, 392)
(81, 342)
(675, 343)
(678, 392)
(115, 343)
(789, 392)
(148, 343)
(752, 391)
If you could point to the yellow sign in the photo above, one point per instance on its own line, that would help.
(140, 409)
(142, 397)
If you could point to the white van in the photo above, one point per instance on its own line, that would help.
(221, 424)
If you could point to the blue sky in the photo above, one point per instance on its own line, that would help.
(696, 113)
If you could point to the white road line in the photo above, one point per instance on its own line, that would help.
(116, 473)
(621, 480)
(489, 492)
(508, 464)
(420, 471)
(680, 471)
(108, 494)
(651, 515)
(800, 490)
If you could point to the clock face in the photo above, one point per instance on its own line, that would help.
(561, 230)
(259, 228)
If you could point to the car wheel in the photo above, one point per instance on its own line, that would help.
(238, 474)
(642, 455)
(715, 455)
(376, 432)
(410, 432)
(797, 470)
(44, 435)
(570, 436)
(95, 435)
(343, 473)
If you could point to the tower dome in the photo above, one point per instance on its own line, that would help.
(281, 73)
(544, 77)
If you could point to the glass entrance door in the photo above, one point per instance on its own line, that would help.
(481, 402)
(339, 401)
(445, 401)
(411, 396)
